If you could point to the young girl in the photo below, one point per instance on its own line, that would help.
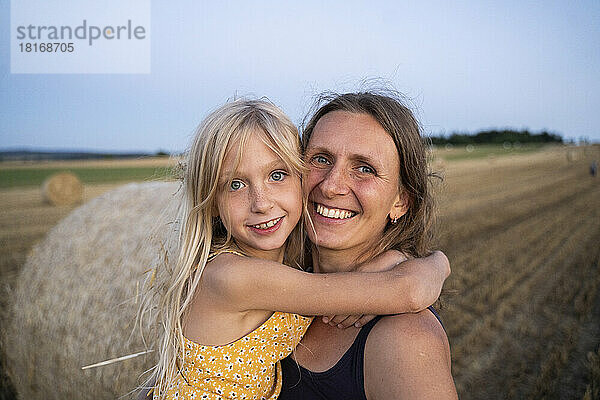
(227, 311)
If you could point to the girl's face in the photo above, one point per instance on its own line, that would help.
(352, 182)
(260, 201)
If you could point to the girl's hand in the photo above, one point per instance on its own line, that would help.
(346, 321)
(429, 274)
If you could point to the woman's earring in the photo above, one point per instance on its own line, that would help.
(393, 220)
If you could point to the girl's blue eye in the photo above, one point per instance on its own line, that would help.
(236, 185)
(278, 176)
(365, 169)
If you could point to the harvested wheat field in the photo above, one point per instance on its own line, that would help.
(522, 235)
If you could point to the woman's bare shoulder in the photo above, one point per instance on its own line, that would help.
(408, 355)
(407, 330)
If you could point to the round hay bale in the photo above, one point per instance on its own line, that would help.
(75, 299)
(62, 189)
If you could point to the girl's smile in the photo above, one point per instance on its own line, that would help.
(267, 227)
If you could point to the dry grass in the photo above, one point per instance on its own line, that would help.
(62, 189)
(522, 234)
(593, 388)
(75, 297)
(24, 219)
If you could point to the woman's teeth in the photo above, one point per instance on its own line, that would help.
(333, 212)
(267, 225)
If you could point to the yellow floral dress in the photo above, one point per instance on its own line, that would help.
(245, 369)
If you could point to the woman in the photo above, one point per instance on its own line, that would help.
(366, 157)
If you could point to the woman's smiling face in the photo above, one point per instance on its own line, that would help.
(353, 181)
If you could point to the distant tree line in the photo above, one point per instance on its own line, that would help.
(496, 137)
(32, 155)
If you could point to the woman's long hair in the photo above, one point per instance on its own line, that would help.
(200, 231)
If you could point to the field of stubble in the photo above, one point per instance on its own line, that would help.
(522, 233)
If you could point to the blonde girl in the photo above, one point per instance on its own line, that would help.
(227, 312)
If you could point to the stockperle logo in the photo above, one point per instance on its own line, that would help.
(75, 36)
(85, 31)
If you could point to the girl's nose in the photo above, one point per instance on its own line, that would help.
(261, 201)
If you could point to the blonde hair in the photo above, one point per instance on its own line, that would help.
(200, 230)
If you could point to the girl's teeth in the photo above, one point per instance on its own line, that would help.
(267, 224)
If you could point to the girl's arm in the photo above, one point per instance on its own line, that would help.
(385, 262)
(423, 290)
(255, 284)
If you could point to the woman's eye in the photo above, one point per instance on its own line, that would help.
(320, 160)
(365, 169)
(236, 185)
(278, 176)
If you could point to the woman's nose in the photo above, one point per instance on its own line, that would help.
(261, 201)
(335, 182)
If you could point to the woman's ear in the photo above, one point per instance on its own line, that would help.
(400, 206)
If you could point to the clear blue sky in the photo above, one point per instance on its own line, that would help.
(466, 66)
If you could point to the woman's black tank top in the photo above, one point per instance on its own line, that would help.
(345, 380)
